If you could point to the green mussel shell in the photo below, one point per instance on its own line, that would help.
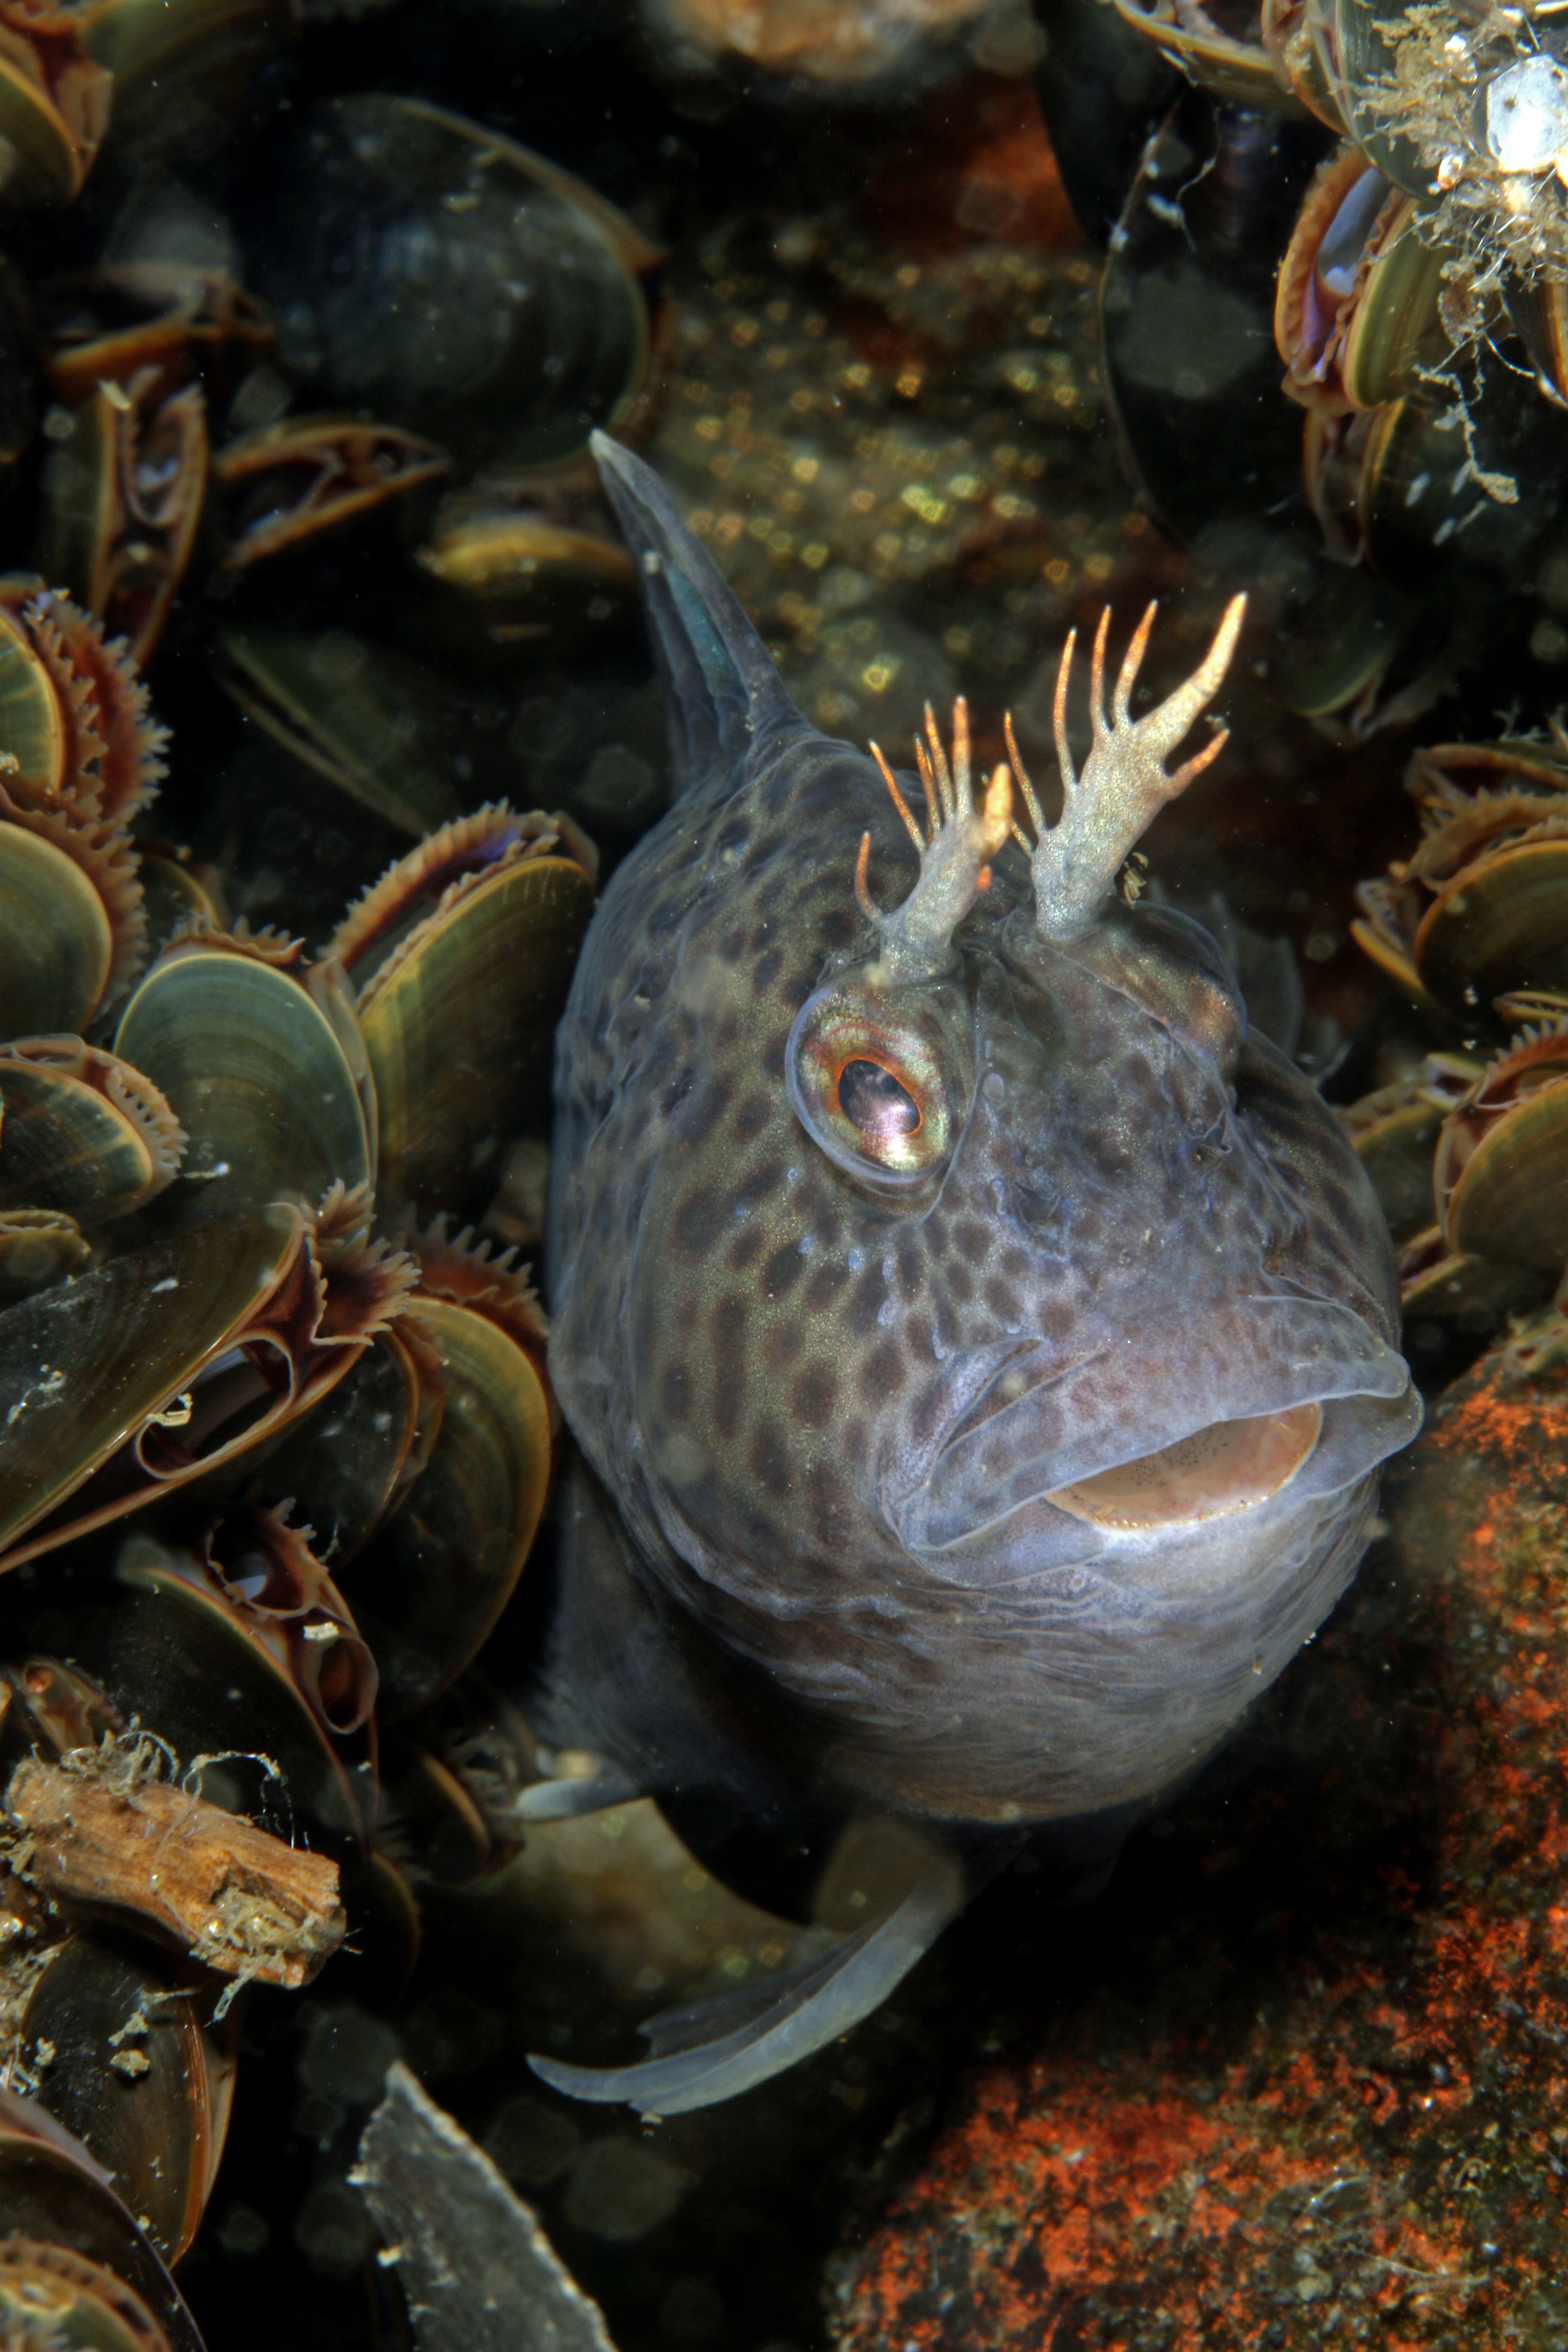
(256, 1074)
(461, 1063)
(429, 1587)
(55, 942)
(64, 1144)
(1502, 925)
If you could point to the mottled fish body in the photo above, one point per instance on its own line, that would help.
(984, 1344)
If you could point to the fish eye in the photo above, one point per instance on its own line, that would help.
(867, 1080)
(875, 1101)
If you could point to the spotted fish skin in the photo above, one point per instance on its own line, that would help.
(838, 1417)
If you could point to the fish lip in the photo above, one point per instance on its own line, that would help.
(1057, 1433)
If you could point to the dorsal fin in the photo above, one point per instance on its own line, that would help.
(721, 690)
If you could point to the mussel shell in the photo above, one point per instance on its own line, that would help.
(284, 483)
(1540, 313)
(1395, 1149)
(255, 1071)
(428, 1587)
(429, 1823)
(66, 1144)
(157, 2131)
(1396, 332)
(1338, 645)
(343, 1463)
(1357, 60)
(1102, 89)
(88, 1371)
(1420, 490)
(56, 944)
(1508, 1200)
(459, 1064)
(121, 502)
(170, 1650)
(176, 896)
(52, 2196)
(48, 142)
(1500, 924)
(32, 723)
(181, 69)
(1475, 1293)
(107, 323)
(427, 269)
(1240, 71)
(368, 721)
(82, 2306)
(1187, 311)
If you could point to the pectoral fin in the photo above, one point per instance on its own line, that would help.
(713, 2049)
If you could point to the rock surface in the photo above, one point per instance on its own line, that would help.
(1314, 2088)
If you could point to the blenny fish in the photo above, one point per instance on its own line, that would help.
(979, 1345)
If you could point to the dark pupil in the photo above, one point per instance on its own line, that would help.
(873, 1099)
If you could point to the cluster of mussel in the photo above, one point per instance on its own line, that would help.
(275, 1445)
(1468, 1149)
(1403, 282)
(410, 322)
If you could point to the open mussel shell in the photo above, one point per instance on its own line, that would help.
(280, 485)
(347, 1462)
(151, 1370)
(254, 1068)
(1501, 1168)
(73, 2248)
(35, 725)
(134, 2075)
(81, 1131)
(1357, 317)
(1540, 314)
(432, 271)
(430, 1585)
(461, 1066)
(369, 720)
(144, 1620)
(104, 324)
(1477, 1293)
(1225, 62)
(54, 111)
(121, 501)
(1500, 924)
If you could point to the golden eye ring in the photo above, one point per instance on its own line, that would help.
(867, 1080)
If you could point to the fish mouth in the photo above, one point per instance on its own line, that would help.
(1225, 1467)
(1287, 1399)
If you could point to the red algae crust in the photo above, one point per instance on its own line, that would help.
(1315, 2089)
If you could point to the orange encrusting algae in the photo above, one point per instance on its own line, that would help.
(1323, 2097)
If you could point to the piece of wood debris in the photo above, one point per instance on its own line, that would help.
(479, 2272)
(238, 1899)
